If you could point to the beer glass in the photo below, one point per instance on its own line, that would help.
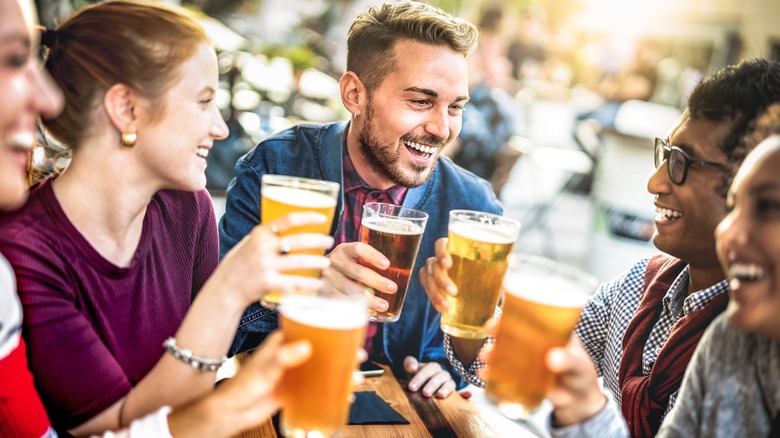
(282, 195)
(542, 304)
(479, 244)
(316, 395)
(396, 232)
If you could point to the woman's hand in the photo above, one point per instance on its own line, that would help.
(257, 264)
(245, 400)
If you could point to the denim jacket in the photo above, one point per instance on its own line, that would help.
(315, 151)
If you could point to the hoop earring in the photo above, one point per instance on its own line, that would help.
(128, 139)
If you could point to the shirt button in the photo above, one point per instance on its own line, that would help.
(657, 351)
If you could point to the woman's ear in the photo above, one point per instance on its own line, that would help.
(121, 105)
(353, 94)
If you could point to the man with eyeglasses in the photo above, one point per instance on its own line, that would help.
(640, 330)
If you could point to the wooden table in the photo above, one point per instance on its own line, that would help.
(454, 416)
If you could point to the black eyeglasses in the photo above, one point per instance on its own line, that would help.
(678, 161)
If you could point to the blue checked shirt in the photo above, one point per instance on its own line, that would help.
(605, 319)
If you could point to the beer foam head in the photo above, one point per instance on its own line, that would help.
(392, 225)
(327, 313)
(547, 289)
(299, 197)
(481, 232)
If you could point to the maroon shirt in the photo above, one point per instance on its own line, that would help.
(356, 194)
(94, 329)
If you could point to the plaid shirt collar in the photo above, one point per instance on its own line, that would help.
(356, 194)
(677, 303)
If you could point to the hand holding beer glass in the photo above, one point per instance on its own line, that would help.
(479, 244)
(281, 195)
(396, 232)
(316, 394)
(542, 305)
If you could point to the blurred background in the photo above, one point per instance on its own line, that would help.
(566, 98)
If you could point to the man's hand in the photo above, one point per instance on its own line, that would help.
(575, 395)
(348, 273)
(428, 378)
(435, 279)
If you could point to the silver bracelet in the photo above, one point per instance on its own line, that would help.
(202, 364)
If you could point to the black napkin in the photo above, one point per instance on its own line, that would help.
(369, 408)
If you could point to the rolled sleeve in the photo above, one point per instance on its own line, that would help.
(607, 423)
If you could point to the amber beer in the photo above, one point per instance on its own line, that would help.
(396, 232)
(542, 304)
(316, 395)
(479, 244)
(282, 195)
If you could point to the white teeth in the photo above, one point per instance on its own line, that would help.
(25, 140)
(746, 272)
(420, 147)
(667, 214)
(202, 152)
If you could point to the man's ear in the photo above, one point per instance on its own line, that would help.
(121, 105)
(353, 94)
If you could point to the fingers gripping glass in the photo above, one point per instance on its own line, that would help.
(678, 161)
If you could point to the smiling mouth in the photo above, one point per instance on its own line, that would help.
(203, 153)
(740, 273)
(23, 141)
(420, 150)
(667, 214)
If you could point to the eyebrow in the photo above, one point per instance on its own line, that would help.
(15, 38)
(208, 90)
(689, 149)
(432, 93)
(768, 186)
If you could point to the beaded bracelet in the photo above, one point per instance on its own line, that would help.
(202, 364)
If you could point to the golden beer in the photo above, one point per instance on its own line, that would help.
(398, 240)
(479, 249)
(316, 395)
(540, 311)
(282, 195)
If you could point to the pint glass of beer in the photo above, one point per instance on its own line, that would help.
(542, 305)
(479, 244)
(282, 195)
(316, 395)
(396, 232)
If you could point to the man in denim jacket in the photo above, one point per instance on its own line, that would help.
(405, 88)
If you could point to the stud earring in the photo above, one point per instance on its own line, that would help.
(128, 139)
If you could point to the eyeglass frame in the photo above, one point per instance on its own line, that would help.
(688, 161)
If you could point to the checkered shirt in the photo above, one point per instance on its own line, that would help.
(605, 319)
(356, 194)
(470, 373)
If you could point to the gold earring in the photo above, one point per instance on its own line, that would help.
(129, 138)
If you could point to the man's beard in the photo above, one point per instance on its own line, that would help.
(386, 159)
